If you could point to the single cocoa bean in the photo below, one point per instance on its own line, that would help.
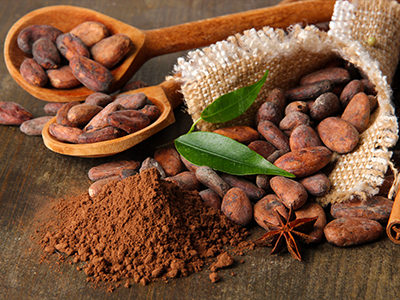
(62, 78)
(112, 50)
(324, 106)
(290, 192)
(334, 75)
(97, 186)
(100, 99)
(32, 33)
(151, 111)
(264, 148)
(274, 135)
(369, 87)
(338, 134)
(71, 45)
(292, 120)
(79, 115)
(358, 112)
(12, 113)
(317, 184)
(277, 97)
(91, 74)
(99, 121)
(170, 160)
(308, 92)
(33, 73)
(372, 102)
(62, 113)
(112, 169)
(185, 180)
(100, 135)
(304, 162)
(132, 101)
(265, 211)
(51, 108)
(311, 210)
(209, 178)
(269, 111)
(237, 206)
(149, 163)
(133, 85)
(241, 134)
(262, 181)
(210, 198)
(90, 32)
(65, 133)
(274, 156)
(253, 192)
(128, 120)
(45, 53)
(34, 126)
(299, 106)
(125, 173)
(304, 136)
(191, 167)
(350, 90)
(344, 232)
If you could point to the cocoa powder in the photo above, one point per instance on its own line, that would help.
(140, 229)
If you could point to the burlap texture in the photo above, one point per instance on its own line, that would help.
(241, 60)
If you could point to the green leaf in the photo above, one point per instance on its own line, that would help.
(224, 154)
(231, 105)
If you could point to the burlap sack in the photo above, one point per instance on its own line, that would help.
(241, 60)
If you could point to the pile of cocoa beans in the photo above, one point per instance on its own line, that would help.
(298, 130)
(84, 55)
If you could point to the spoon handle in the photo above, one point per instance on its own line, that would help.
(206, 32)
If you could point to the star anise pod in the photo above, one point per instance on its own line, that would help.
(287, 232)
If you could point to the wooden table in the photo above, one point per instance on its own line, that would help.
(32, 178)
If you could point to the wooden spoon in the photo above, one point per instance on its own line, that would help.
(165, 96)
(151, 43)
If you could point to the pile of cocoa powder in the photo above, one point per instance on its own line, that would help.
(141, 229)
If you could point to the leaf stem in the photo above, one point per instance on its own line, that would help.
(194, 125)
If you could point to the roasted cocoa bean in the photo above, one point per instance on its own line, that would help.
(237, 206)
(376, 208)
(185, 180)
(369, 87)
(262, 181)
(290, 192)
(269, 111)
(170, 160)
(62, 113)
(277, 97)
(125, 173)
(299, 106)
(241, 134)
(12, 113)
(111, 50)
(265, 211)
(350, 90)
(100, 135)
(151, 111)
(99, 121)
(264, 148)
(358, 112)
(334, 75)
(344, 232)
(34, 126)
(292, 120)
(32, 33)
(79, 115)
(100, 99)
(274, 135)
(311, 210)
(71, 45)
(91, 74)
(209, 178)
(372, 102)
(90, 32)
(133, 85)
(62, 78)
(304, 162)
(112, 169)
(149, 163)
(97, 186)
(51, 108)
(253, 192)
(274, 156)
(128, 120)
(65, 133)
(210, 198)
(308, 92)
(132, 101)
(317, 184)
(324, 106)
(191, 167)
(304, 136)
(33, 73)
(45, 53)
(338, 134)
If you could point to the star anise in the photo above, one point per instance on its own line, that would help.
(286, 233)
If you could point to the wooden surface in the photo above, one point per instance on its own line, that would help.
(32, 178)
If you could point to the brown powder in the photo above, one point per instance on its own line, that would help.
(141, 228)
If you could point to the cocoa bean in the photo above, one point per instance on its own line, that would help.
(90, 32)
(65, 133)
(111, 50)
(344, 232)
(112, 169)
(45, 53)
(32, 33)
(79, 115)
(100, 135)
(376, 208)
(274, 135)
(91, 74)
(253, 192)
(96, 187)
(99, 121)
(350, 90)
(334, 75)
(185, 180)
(369, 87)
(100, 99)
(33, 73)
(151, 111)
(299, 106)
(51, 108)
(62, 113)
(324, 106)
(12, 113)
(170, 160)
(304, 162)
(237, 206)
(149, 163)
(269, 111)
(265, 211)
(241, 134)
(277, 97)
(372, 102)
(209, 178)
(358, 112)
(34, 126)
(317, 184)
(292, 120)
(308, 92)
(210, 198)
(304, 136)
(125, 173)
(62, 78)
(290, 192)
(71, 45)
(264, 148)
(311, 210)
(191, 167)
(133, 85)
(262, 181)
(274, 156)
(128, 120)
(338, 134)
(132, 101)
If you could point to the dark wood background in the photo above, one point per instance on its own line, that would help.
(32, 178)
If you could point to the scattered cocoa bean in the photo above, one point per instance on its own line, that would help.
(62, 113)
(71, 45)
(264, 148)
(151, 111)
(262, 181)
(51, 108)
(350, 90)
(237, 206)
(97, 186)
(170, 160)
(265, 211)
(292, 120)
(45, 53)
(133, 85)
(324, 106)
(79, 115)
(269, 111)
(132, 101)
(99, 121)
(241, 134)
(34, 126)
(308, 92)
(369, 87)
(99, 99)
(12, 113)
(299, 106)
(33, 73)
(90, 32)
(253, 192)
(32, 33)
(212, 180)
(274, 156)
(112, 169)
(125, 173)
(100, 135)
(290, 192)
(191, 167)
(274, 135)
(185, 180)
(62, 78)
(317, 184)
(358, 111)
(149, 163)
(372, 102)
(304, 136)
(210, 198)
(65, 133)
(310, 210)
(334, 75)
(128, 120)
